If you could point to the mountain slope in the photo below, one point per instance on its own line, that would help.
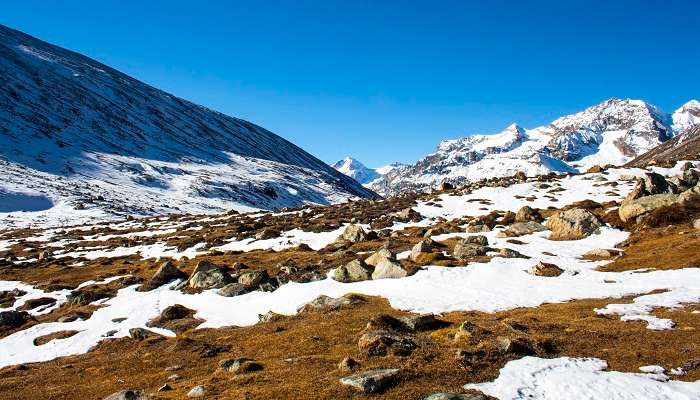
(84, 136)
(685, 146)
(612, 132)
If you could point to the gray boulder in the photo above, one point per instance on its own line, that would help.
(633, 208)
(573, 224)
(521, 229)
(128, 394)
(353, 271)
(354, 233)
(211, 278)
(232, 289)
(372, 381)
(388, 269)
(464, 250)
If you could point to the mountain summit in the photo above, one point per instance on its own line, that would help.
(82, 137)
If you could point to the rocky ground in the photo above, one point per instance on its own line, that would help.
(502, 288)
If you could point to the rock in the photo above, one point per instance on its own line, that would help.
(354, 233)
(210, 278)
(408, 214)
(240, 365)
(44, 255)
(165, 388)
(197, 391)
(633, 208)
(519, 346)
(686, 166)
(521, 229)
(464, 250)
(80, 297)
(573, 224)
(477, 239)
(354, 271)
(175, 312)
(129, 394)
(379, 255)
(326, 303)
(232, 289)
(267, 234)
(36, 303)
(434, 232)
(372, 381)
(252, 279)
(348, 364)
(425, 322)
(445, 186)
(655, 183)
(424, 246)
(269, 316)
(510, 253)
(690, 195)
(381, 342)
(165, 274)
(141, 333)
(594, 169)
(545, 269)
(456, 396)
(696, 224)
(388, 269)
(603, 253)
(477, 228)
(527, 213)
(13, 319)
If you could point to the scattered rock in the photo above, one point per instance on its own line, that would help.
(477, 228)
(388, 269)
(521, 229)
(326, 303)
(696, 224)
(510, 253)
(464, 250)
(408, 214)
(240, 365)
(422, 247)
(518, 345)
(129, 394)
(232, 289)
(381, 342)
(378, 256)
(36, 303)
(545, 269)
(477, 239)
(197, 391)
(372, 381)
(603, 253)
(573, 224)
(527, 213)
(141, 333)
(354, 271)
(633, 208)
(445, 186)
(210, 278)
(267, 234)
(165, 388)
(425, 322)
(655, 183)
(13, 319)
(354, 233)
(165, 274)
(269, 316)
(252, 279)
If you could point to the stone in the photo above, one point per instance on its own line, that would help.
(510, 253)
(603, 253)
(382, 342)
(425, 322)
(424, 246)
(519, 346)
(197, 391)
(408, 214)
(477, 239)
(128, 394)
(464, 250)
(240, 365)
(456, 396)
(175, 312)
(267, 234)
(213, 278)
(326, 303)
(633, 208)
(655, 183)
(372, 381)
(13, 319)
(445, 186)
(165, 388)
(269, 316)
(354, 233)
(686, 166)
(545, 269)
(166, 273)
(379, 256)
(521, 229)
(141, 333)
(527, 213)
(696, 224)
(348, 364)
(44, 255)
(252, 279)
(232, 289)
(388, 269)
(573, 224)
(477, 228)
(690, 195)
(354, 271)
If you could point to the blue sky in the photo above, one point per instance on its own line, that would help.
(386, 81)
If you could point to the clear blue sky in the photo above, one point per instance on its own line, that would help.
(385, 81)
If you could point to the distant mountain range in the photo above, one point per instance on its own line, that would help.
(79, 140)
(612, 132)
(359, 172)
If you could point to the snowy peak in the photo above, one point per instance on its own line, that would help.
(356, 170)
(687, 116)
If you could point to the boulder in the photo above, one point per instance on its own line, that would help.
(379, 256)
(240, 365)
(545, 269)
(408, 214)
(696, 224)
(477, 239)
(326, 303)
(354, 271)
(348, 364)
(655, 183)
(445, 186)
(372, 381)
(477, 228)
(686, 166)
(383, 342)
(527, 213)
(425, 322)
(521, 229)
(424, 246)
(388, 269)
(13, 319)
(573, 224)
(166, 273)
(141, 333)
(232, 289)
(464, 250)
(353, 233)
(633, 208)
(690, 195)
(197, 391)
(603, 253)
(251, 279)
(267, 234)
(214, 278)
(510, 253)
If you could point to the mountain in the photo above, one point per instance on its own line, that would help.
(79, 137)
(612, 132)
(685, 146)
(359, 172)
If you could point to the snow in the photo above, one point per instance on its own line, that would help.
(640, 309)
(535, 378)
(292, 238)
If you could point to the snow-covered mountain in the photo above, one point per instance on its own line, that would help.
(612, 132)
(362, 174)
(79, 139)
